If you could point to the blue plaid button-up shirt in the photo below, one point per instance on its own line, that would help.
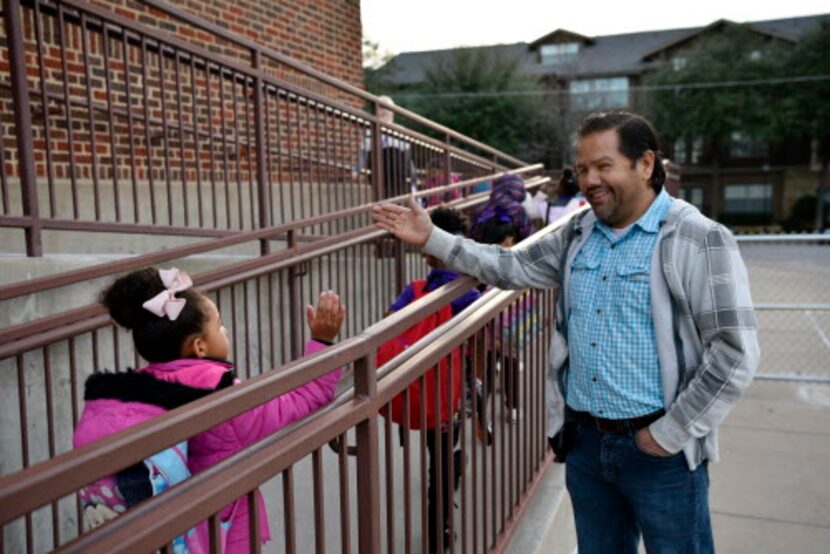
(614, 370)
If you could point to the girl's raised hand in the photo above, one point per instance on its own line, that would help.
(325, 321)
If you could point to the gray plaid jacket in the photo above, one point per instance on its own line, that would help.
(704, 323)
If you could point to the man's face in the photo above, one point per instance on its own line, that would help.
(618, 193)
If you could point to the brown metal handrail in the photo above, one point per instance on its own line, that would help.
(322, 77)
(31, 286)
(259, 90)
(41, 483)
(48, 329)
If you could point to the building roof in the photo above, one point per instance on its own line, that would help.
(625, 54)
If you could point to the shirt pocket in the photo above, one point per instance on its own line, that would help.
(583, 281)
(633, 286)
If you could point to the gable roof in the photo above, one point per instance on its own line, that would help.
(561, 33)
(624, 54)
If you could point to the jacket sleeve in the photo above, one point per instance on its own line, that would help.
(718, 299)
(272, 416)
(533, 266)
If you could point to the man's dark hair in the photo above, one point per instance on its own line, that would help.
(449, 220)
(637, 136)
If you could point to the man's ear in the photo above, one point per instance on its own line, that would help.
(645, 164)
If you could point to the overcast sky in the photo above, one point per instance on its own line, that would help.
(411, 25)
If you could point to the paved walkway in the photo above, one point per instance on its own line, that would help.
(770, 492)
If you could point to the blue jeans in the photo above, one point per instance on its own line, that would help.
(619, 492)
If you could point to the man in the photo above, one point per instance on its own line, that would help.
(655, 339)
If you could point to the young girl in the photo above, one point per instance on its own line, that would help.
(179, 331)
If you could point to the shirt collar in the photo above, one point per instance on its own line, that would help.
(649, 221)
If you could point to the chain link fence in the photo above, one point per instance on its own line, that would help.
(790, 278)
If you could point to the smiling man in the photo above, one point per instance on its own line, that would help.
(655, 339)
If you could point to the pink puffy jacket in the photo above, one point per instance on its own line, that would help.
(102, 417)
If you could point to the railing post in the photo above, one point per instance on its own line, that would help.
(295, 308)
(377, 156)
(447, 162)
(261, 175)
(365, 381)
(23, 122)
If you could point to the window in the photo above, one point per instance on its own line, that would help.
(697, 150)
(693, 195)
(742, 145)
(593, 94)
(678, 63)
(745, 199)
(680, 150)
(558, 53)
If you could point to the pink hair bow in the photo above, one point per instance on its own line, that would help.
(165, 303)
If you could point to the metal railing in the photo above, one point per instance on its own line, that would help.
(493, 483)
(110, 125)
(789, 276)
(44, 362)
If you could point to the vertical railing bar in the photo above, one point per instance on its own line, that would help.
(261, 361)
(280, 149)
(235, 333)
(438, 461)
(478, 344)
(246, 310)
(407, 475)
(267, 159)
(377, 157)
(237, 150)
(211, 145)
(390, 489)
(222, 118)
(319, 502)
(300, 161)
(345, 515)
(116, 349)
(283, 342)
(422, 414)
(215, 531)
(490, 492)
(465, 393)
(105, 46)
(44, 99)
(4, 185)
(50, 432)
(148, 141)
(367, 460)
(288, 509)
(130, 124)
(255, 543)
(68, 107)
(497, 529)
(24, 438)
(511, 438)
(23, 125)
(450, 457)
(196, 139)
(320, 159)
(182, 161)
(256, 184)
(165, 134)
(73, 388)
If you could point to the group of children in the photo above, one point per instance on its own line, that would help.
(179, 332)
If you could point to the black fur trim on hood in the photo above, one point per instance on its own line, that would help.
(135, 386)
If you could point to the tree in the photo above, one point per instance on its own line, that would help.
(485, 95)
(805, 109)
(700, 95)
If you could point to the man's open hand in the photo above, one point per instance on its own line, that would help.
(410, 224)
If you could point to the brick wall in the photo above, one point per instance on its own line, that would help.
(110, 80)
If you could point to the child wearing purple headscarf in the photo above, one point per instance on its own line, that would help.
(505, 201)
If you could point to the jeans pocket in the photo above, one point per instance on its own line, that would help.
(648, 455)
